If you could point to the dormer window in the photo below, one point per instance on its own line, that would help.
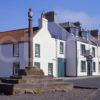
(84, 34)
(75, 31)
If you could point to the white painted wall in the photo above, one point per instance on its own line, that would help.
(7, 59)
(80, 58)
(49, 49)
(23, 55)
(74, 57)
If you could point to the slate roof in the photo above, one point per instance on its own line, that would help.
(68, 24)
(57, 31)
(93, 36)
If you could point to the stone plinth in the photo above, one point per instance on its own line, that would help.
(32, 80)
(34, 86)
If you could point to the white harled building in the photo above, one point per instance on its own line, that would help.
(82, 51)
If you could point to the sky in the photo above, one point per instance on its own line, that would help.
(13, 13)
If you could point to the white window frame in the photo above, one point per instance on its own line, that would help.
(61, 47)
(94, 67)
(83, 70)
(16, 49)
(37, 50)
(37, 64)
(82, 51)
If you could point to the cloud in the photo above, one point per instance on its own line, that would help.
(72, 16)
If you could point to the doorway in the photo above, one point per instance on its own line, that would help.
(89, 68)
(50, 69)
(61, 67)
(16, 67)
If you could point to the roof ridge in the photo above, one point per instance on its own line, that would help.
(13, 30)
(61, 27)
(17, 29)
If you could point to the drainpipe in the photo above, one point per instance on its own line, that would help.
(56, 57)
(30, 36)
(98, 51)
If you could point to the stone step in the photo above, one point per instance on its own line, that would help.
(41, 85)
(36, 81)
(8, 80)
(31, 80)
(10, 89)
(6, 89)
(31, 71)
(29, 76)
(35, 77)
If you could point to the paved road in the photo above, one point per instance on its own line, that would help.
(88, 82)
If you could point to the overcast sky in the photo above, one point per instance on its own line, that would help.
(13, 13)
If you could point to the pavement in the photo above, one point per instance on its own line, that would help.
(92, 82)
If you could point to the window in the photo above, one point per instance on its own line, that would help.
(61, 48)
(82, 49)
(83, 66)
(75, 31)
(16, 67)
(37, 50)
(93, 51)
(50, 69)
(37, 64)
(84, 34)
(99, 67)
(94, 69)
(16, 50)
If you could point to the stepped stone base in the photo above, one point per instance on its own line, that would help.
(31, 71)
(33, 85)
(32, 80)
(42, 87)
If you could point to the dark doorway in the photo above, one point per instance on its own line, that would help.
(89, 68)
(16, 67)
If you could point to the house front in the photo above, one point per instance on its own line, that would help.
(82, 51)
(13, 52)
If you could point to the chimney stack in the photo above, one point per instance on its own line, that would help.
(43, 22)
(50, 16)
